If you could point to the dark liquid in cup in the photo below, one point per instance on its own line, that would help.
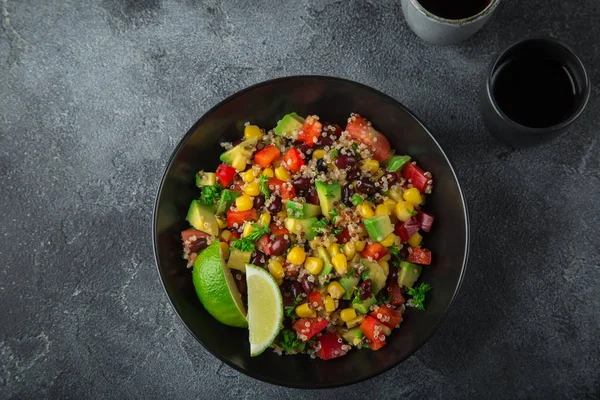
(534, 92)
(455, 9)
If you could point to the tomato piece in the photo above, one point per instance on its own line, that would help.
(419, 255)
(315, 297)
(407, 229)
(278, 230)
(285, 190)
(225, 174)
(375, 250)
(292, 159)
(331, 346)
(372, 330)
(266, 156)
(395, 293)
(426, 220)
(311, 130)
(306, 328)
(264, 244)
(387, 316)
(344, 236)
(360, 129)
(415, 175)
(239, 217)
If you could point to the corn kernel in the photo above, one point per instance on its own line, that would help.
(359, 245)
(385, 265)
(224, 250)
(296, 255)
(391, 205)
(239, 162)
(226, 235)
(347, 314)
(389, 240)
(252, 189)
(221, 223)
(355, 322)
(304, 311)
(335, 290)
(276, 270)
(413, 196)
(349, 249)
(244, 202)
(329, 304)
(333, 249)
(370, 165)
(340, 263)
(282, 214)
(268, 172)
(382, 209)
(365, 210)
(283, 174)
(248, 176)
(404, 210)
(314, 265)
(394, 194)
(247, 230)
(318, 154)
(415, 239)
(265, 219)
(252, 131)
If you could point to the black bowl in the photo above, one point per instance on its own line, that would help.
(333, 100)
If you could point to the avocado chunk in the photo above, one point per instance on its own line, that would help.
(296, 209)
(205, 179)
(375, 273)
(397, 162)
(289, 123)
(238, 259)
(299, 226)
(323, 255)
(349, 283)
(243, 150)
(408, 274)
(362, 306)
(378, 227)
(353, 336)
(202, 218)
(329, 194)
(227, 199)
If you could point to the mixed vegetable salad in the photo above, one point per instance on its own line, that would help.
(333, 215)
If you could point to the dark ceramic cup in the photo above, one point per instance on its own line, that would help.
(517, 134)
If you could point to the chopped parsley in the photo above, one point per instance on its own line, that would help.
(242, 244)
(289, 342)
(335, 153)
(210, 194)
(257, 232)
(356, 200)
(418, 295)
(264, 186)
(412, 212)
(354, 147)
(333, 213)
(371, 198)
(383, 297)
(394, 250)
(320, 226)
(289, 310)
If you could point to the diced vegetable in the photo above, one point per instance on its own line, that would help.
(331, 346)
(311, 130)
(225, 174)
(306, 328)
(360, 129)
(293, 160)
(374, 251)
(239, 217)
(264, 244)
(395, 293)
(315, 298)
(426, 220)
(387, 316)
(419, 255)
(397, 162)
(266, 156)
(372, 330)
(406, 229)
(416, 176)
(286, 191)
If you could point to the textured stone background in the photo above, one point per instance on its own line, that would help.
(94, 96)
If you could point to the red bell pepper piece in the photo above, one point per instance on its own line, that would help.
(419, 255)
(278, 230)
(416, 176)
(426, 220)
(375, 251)
(331, 346)
(407, 229)
(266, 156)
(311, 130)
(225, 174)
(315, 297)
(387, 316)
(264, 244)
(395, 293)
(292, 159)
(285, 190)
(360, 129)
(239, 217)
(306, 328)
(372, 330)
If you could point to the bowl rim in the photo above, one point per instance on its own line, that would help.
(268, 379)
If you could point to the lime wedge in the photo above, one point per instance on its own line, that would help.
(265, 308)
(216, 288)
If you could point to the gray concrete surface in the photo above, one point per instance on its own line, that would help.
(94, 96)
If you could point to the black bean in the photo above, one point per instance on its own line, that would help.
(366, 187)
(365, 289)
(303, 148)
(345, 161)
(324, 141)
(321, 165)
(198, 245)
(393, 276)
(307, 285)
(389, 177)
(240, 283)
(301, 185)
(279, 245)
(259, 258)
(296, 289)
(259, 201)
(347, 193)
(275, 205)
(353, 174)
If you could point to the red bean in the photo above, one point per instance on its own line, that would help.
(259, 259)
(389, 177)
(307, 285)
(296, 289)
(345, 161)
(353, 174)
(365, 289)
(323, 141)
(275, 205)
(259, 201)
(279, 246)
(332, 130)
(198, 245)
(301, 185)
(240, 283)
(347, 193)
(312, 197)
(366, 187)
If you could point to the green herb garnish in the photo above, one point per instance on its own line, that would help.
(264, 186)
(289, 310)
(412, 212)
(242, 244)
(337, 231)
(257, 232)
(418, 295)
(320, 226)
(289, 342)
(210, 194)
(335, 153)
(356, 200)
(394, 250)
(383, 298)
(333, 213)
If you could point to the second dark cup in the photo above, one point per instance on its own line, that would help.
(534, 91)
